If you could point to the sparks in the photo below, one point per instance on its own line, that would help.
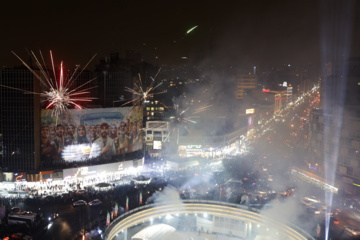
(58, 94)
(181, 119)
(142, 93)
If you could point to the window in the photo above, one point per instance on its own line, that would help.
(148, 132)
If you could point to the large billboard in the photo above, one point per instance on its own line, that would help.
(84, 134)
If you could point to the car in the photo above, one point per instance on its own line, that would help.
(312, 199)
(79, 203)
(16, 209)
(352, 230)
(53, 216)
(80, 192)
(334, 220)
(95, 202)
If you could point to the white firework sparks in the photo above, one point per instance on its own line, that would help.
(181, 120)
(58, 94)
(142, 93)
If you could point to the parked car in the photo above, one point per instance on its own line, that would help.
(16, 209)
(334, 220)
(79, 203)
(95, 202)
(352, 230)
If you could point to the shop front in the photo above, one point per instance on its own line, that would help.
(46, 176)
(102, 173)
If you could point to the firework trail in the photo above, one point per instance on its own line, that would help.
(58, 93)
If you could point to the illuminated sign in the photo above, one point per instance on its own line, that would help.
(265, 90)
(284, 84)
(250, 111)
(157, 145)
(193, 146)
(20, 177)
(46, 176)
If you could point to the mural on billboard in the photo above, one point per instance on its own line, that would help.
(90, 134)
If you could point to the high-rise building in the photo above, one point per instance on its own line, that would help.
(245, 82)
(334, 131)
(20, 117)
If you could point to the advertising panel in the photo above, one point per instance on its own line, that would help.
(32, 177)
(58, 175)
(157, 145)
(8, 176)
(20, 177)
(250, 111)
(46, 176)
(83, 134)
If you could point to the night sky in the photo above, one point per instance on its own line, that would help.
(229, 32)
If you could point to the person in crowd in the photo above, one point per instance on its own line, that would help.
(70, 137)
(129, 136)
(66, 127)
(103, 146)
(134, 136)
(113, 131)
(121, 141)
(59, 141)
(92, 133)
(47, 150)
(81, 136)
(98, 131)
(52, 132)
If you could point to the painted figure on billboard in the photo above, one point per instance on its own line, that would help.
(47, 149)
(122, 141)
(103, 146)
(90, 134)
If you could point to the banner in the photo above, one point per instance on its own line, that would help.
(83, 134)
(116, 209)
(127, 203)
(108, 219)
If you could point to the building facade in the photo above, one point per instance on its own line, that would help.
(345, 144)
(245, 82)
(20, 117)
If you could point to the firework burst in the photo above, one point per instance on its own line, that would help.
(142, 93)
(183, 117)
(59, 94)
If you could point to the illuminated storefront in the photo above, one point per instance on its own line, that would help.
(104, 172)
